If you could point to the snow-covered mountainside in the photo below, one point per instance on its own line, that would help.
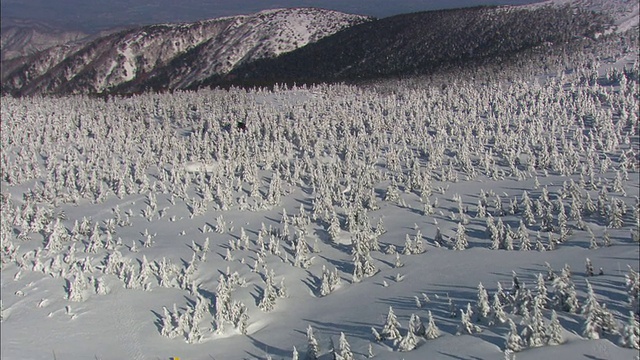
(469, 215)
(24, 38)
(624, 12)
(134, 55)
(427, 42)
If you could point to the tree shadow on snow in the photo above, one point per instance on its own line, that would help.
(491, 337)
(459, 357)
(313, 282)
(323, 235)
(158, 320)
(342, 265)
(257, 294)
(267, 350)
(593, 357)
(361, 330)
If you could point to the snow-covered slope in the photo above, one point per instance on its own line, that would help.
(153, 227)
(267, 34)
(24, 38)
(113, 60)
(624, 12)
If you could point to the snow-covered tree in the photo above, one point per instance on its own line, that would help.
(313, 348)
(466, 326)
(390, 329)
(482, 308)
(514, 341)
(565, 297)
(497, 315)
(344, 348)
(269, 294)
(416, 326)
(632, 281)
(555, 330)
(408, 342)
(460, 241)
(589, 267)
(630, 336)
(432, 331)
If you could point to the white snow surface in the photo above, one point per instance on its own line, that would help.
(169, 171)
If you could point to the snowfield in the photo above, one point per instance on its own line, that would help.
(480, 220)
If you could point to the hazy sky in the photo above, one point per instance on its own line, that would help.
(101, 14)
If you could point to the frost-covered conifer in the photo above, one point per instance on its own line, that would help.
(497, 315)
(100, 286)
(546, 218)
(615, 214)
(432, 331)
(555, 330)
(630, 336)
(344, 348)
(57, 236)
(313, 349)
(514, 341)
(334, 227)
(398, 263)
(269, 295)
(632, 281)
(75, 288)
(523, 237)
(416, 326)
(408, 342)
(591, 303)
(508, 239)
(482, 308)
(453, 309)
(466, 326)
(589, 267)
(599, 319)
(460, 241)
(541, 291)
(481, 211)
(606, 238)
(408, 246)
(168, 327)
(565, 297)
(494, 233)
(537, 334)
(390, 329)
(376, 335)
(497, 204)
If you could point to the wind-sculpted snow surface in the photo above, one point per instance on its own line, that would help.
(474, 219)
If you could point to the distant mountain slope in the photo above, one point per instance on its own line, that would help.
(266, 35)
(624, 12)
(134, 56)
(306, 45)
(23, 38)
(420, 42)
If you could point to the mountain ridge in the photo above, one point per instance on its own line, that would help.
(123, 56)
(418, 43)
(308, 45)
